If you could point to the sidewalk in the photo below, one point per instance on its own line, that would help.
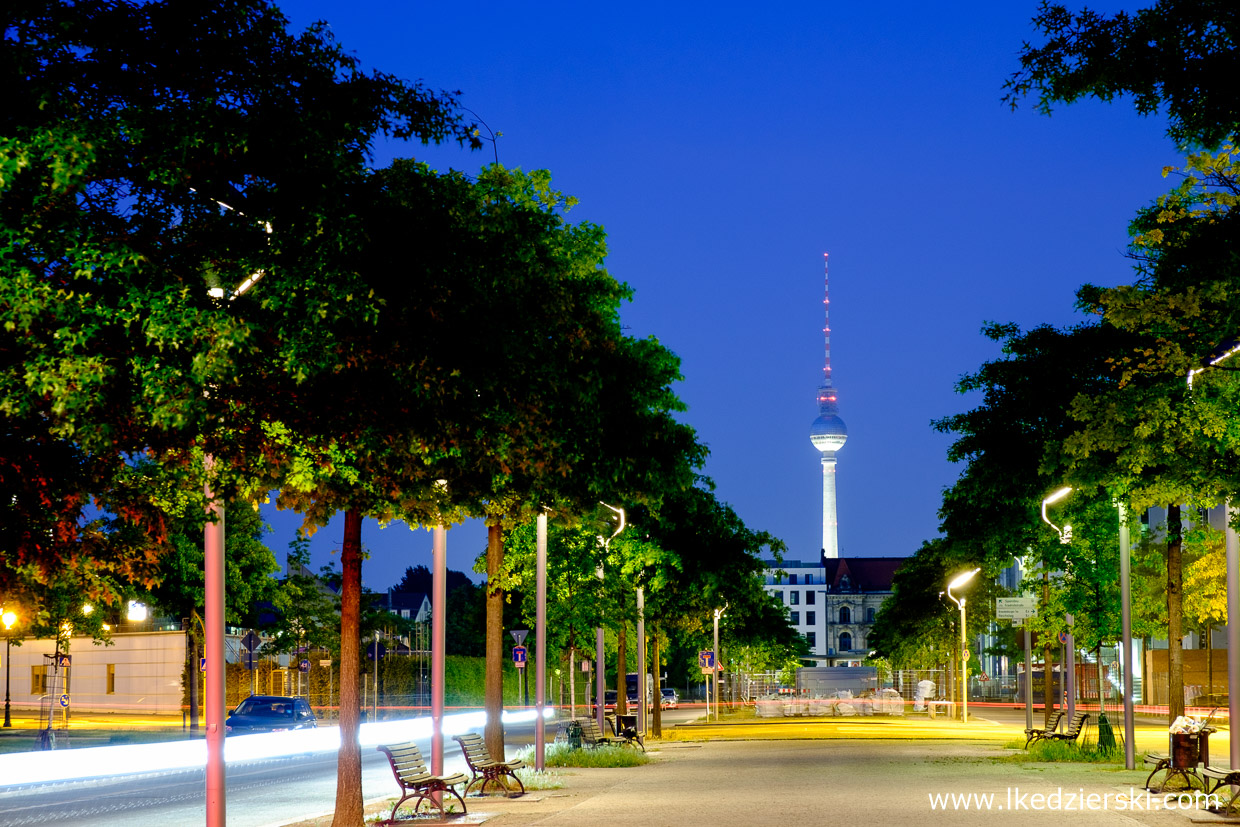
(865, 771)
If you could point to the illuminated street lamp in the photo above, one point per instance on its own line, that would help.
(718, 614)
(8, 618)
(958, 583)
(1065, 533)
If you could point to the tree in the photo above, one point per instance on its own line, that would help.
(1175, 55)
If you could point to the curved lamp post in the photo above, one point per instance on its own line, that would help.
(957, 583)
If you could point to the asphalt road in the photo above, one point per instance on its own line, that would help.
(266, 792)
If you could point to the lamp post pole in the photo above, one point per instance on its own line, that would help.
(9, 619)
(718, 614)
(958, 582)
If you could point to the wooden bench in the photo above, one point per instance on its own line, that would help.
(415, 779)
(591, 736)
(485, 768)
(1080, 722)
(1036, 734)
(1223, 777)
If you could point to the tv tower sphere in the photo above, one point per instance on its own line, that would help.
(828, 433)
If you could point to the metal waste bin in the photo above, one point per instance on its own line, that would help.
(1188, 749)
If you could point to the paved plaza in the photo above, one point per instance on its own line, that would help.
(844, 771)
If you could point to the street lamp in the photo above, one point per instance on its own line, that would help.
(600, 678)
(1232, 555)
(9, 618)
(1065, 533)
(718, 614)
(957, 583)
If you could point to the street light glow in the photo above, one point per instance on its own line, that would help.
(1058, 495)
(961, 579)
(9, 619)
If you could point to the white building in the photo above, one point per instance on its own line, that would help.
(833, 603)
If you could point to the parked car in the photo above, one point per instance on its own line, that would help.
(670, 699)
(609, 701)
(270, 713)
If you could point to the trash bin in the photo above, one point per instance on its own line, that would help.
(574, 735)
(1188, 749)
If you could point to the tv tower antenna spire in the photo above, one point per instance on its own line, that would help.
(828, 433)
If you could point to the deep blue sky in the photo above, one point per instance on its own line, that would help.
(724, 150)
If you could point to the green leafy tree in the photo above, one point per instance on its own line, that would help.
(1175, 56)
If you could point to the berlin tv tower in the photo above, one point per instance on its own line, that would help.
(828, 432)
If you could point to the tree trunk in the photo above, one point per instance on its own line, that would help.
(622, 671)
(493, 734)
(1209, 662)
(656, 714)
(349, 761)
(1175, 611)
(192, 675)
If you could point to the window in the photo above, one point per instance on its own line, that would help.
(811, 639)
(792, 580)
(810, 619)
(809, 597)
(845, 615)
(869, 615)
(845, 642)
(794, 597)
(779, 596)
(795, 617)
(38, 680)
(111, 690)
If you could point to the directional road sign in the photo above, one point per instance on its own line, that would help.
(1015, 608)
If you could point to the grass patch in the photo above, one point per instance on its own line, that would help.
(562, 755)
(1054, 752)
(535, 780)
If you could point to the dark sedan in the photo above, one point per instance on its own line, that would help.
(270, 713)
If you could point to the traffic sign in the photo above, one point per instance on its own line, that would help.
(518, 656)
(706, 661)
(965, 655)
(518, 635)
(248, 658)
(64, 701)
(1063, 637)
(304, 666)
(251, 641)
(63, 661)
(326, 662)
(373, 648)
(202, 664)
(983, 677)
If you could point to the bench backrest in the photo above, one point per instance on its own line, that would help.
(1056, 718)
(474, 749)
(589, 730)
(407, 762)
(1078, 721)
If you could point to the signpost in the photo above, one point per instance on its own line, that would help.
(1019, 610)
(706, 661)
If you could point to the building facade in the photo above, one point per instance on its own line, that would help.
(833, 603)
